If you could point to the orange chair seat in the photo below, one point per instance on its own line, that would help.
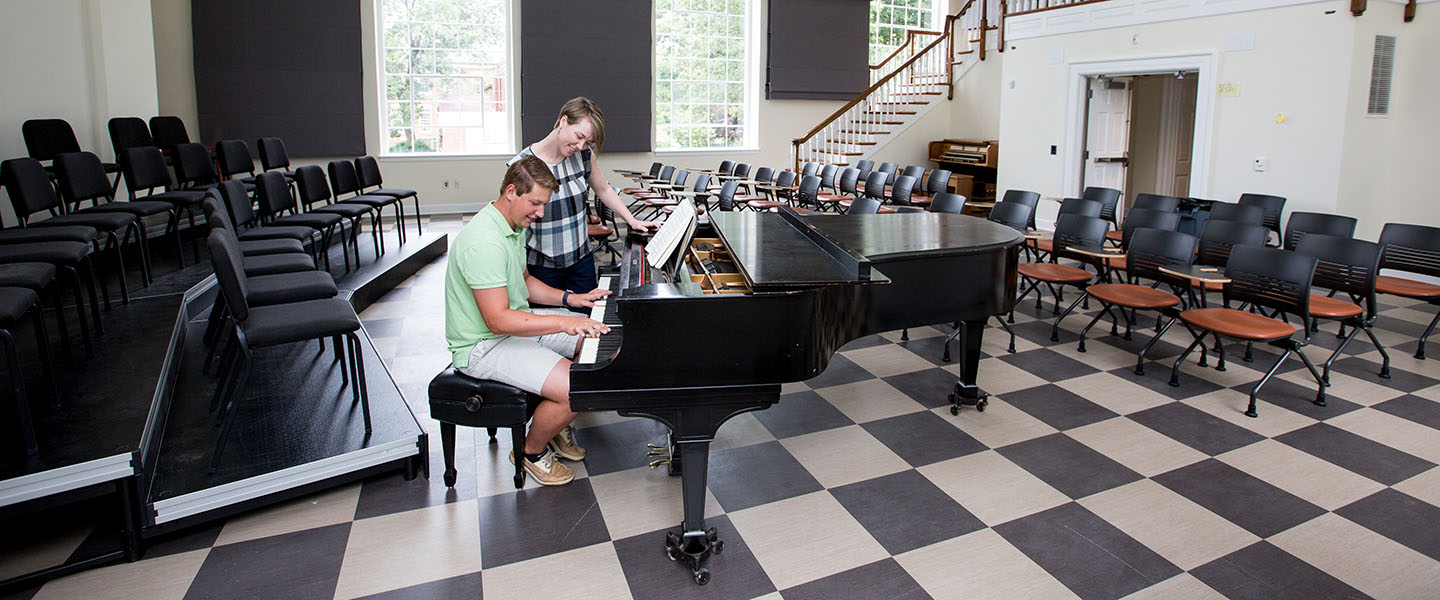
(1408, 288)
(1054, 273)
(764, 204)
(1332, 308)
(921, 199)
(1115, 235)
(660, 202)
(742, 198)
(831, 197)
(1047, 245)
(1118, 263)
(634, 190)
(1132, 296)
(601, 231)
(648, 196)
(1238, 324)
(1210, 286)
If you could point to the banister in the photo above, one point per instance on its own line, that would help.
(857, 99)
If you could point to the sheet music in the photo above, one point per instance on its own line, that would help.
(672, 234)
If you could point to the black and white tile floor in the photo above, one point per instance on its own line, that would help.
(1080, 480)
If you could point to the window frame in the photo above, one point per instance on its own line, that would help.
(750, 14)
(935, 12)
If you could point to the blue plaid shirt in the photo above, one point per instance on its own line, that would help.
(561, 238)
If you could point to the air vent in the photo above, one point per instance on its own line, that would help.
(1381, 67)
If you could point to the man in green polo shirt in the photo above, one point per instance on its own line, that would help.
(492, 331)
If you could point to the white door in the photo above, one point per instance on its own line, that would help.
(1107, 133)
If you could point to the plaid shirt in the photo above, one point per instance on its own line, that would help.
(561, 238)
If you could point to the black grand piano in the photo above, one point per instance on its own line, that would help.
(754, 300)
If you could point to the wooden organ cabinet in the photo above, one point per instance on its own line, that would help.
(972, 164)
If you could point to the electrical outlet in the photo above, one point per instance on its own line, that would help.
(1260, 164)
(445, 185)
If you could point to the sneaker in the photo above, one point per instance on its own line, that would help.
(547, 470)
(564, 444)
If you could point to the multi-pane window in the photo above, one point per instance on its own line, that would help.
(445, 75)
(702, 57)
(889, 19)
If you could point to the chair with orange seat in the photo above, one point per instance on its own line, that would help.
(1149, 250)
(1350, 266)
(1413, 249)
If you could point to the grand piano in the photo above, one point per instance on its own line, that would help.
(754, 300)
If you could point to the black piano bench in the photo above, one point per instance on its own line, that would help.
(458, 399)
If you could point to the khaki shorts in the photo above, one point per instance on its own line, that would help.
(523, 362)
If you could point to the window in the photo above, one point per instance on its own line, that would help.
(445, 73)
(890, 18)
(703, 73)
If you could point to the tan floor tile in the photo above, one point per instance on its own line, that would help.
(1313, 479)
(837, 457)
(887, 360)
(1425, 486)
(792, 387)
(1418, 315)
(868, 400)
(1180, 587)
(408, 548)
(1000, 425)
(1370, 562)
(997, 343)
(580, 574)
(1363, 391)
(316, 510)
(42, 547)
(992, 488)
(1236, 371)
(154, 579)
(1396, 432)
(742, 430)
(641, 500)
(916, 333)
(999, 377)
(1230, 406)
(495, 473)
(1176, 528)
(389, 310)
(1115, 393)
(787, 536)
(1144, 450)
(979, 565)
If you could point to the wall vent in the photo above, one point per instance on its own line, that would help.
(1381, 68)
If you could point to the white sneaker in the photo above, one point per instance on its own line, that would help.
(546, 470)
(564, 444)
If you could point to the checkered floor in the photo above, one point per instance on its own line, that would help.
(1081, 479)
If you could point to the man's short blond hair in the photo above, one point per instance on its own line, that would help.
(527, 173)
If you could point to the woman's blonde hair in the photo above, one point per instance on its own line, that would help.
(581, 107)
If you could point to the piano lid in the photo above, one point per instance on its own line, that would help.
(904, 235)
(775, 255)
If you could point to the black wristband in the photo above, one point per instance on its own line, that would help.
(565, 299)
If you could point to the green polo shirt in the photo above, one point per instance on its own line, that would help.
(486, 254)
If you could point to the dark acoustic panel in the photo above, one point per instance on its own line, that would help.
(280, 68)
(819, 49)
(600, 50)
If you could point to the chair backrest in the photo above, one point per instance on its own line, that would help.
(849, 178)
(1221, 237)
(900, 192)
(809, 191)
(1344, 264)
(864, 205)
(1148, 218)
(655, 168)
(230, 272)
(809, 168)
(875, 185)
(680, 177)
(1012, 214)
(1240, 213)
(1081, 206)
(666, 172)
(29, 187)
(938, 182)
(193, 166)
(343, 179)
(946, 202)
(1270, 277)
(144, 169)
(1413, 248)
(726, 166)
(1156, 202)
(1078, 230)
(366, 168)
(918, 175)
(702, 182)
(741, 170)
(46, 139)
(1303, 223)
(1107, 197)
(785, 178)
(1272, 205)
(168, 131)
(827, 176)
(216, 214)
(764, 174)
(82, 177)
(234, 158)
(727, 195)
(1031, 199)
(274, 156)
(1151, 249)
(128, 132)
(237, 202)
(865, 166)
(888, 167)
(310, 184)
(273, 193)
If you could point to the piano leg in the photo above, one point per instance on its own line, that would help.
(694, 543)
(967, 392)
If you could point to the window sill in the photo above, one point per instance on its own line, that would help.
(444, 157)
(707, 151)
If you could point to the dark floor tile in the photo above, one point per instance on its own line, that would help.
(1399, 517)
(538, 522)
(905, 511)
(384, 328)
(801, 413)
(923, 438)
(1069, 466)
(200, 536)
(619, 446)
(1357, 453)
(840, 371)
(1049, 364)
(1169, 346)
(1260, 508)
(1196, 428)
(464, 586)
(1262, 571)
(1420, 410)
(757, 474)
(929, 387)
(1298, 398)
(390, 493)
(933, 348)
(864, 342)
(881, 579)
(1264, 356)
(1058, 408)
(734, 572)
(1402, 326)
(1325, 338)
(305, 564)
(1157, 379)
(1087, 554)
(1367, 370)
(1038, 332)
(21, 594)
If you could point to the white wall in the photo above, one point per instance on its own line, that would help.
(1292, 70)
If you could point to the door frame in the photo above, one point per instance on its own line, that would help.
(1075, 110)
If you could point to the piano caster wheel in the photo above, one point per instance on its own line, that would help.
(450, 475)
(980, 406)
(954, 410)
(702, 576)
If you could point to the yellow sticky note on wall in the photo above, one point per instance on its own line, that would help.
(1228, 90)
(1280, 119)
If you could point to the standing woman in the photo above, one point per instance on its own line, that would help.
(560, 251)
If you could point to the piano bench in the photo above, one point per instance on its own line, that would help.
(458, 399)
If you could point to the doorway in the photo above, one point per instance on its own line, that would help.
(1139, 133)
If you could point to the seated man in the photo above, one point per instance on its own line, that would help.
(493, 334)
